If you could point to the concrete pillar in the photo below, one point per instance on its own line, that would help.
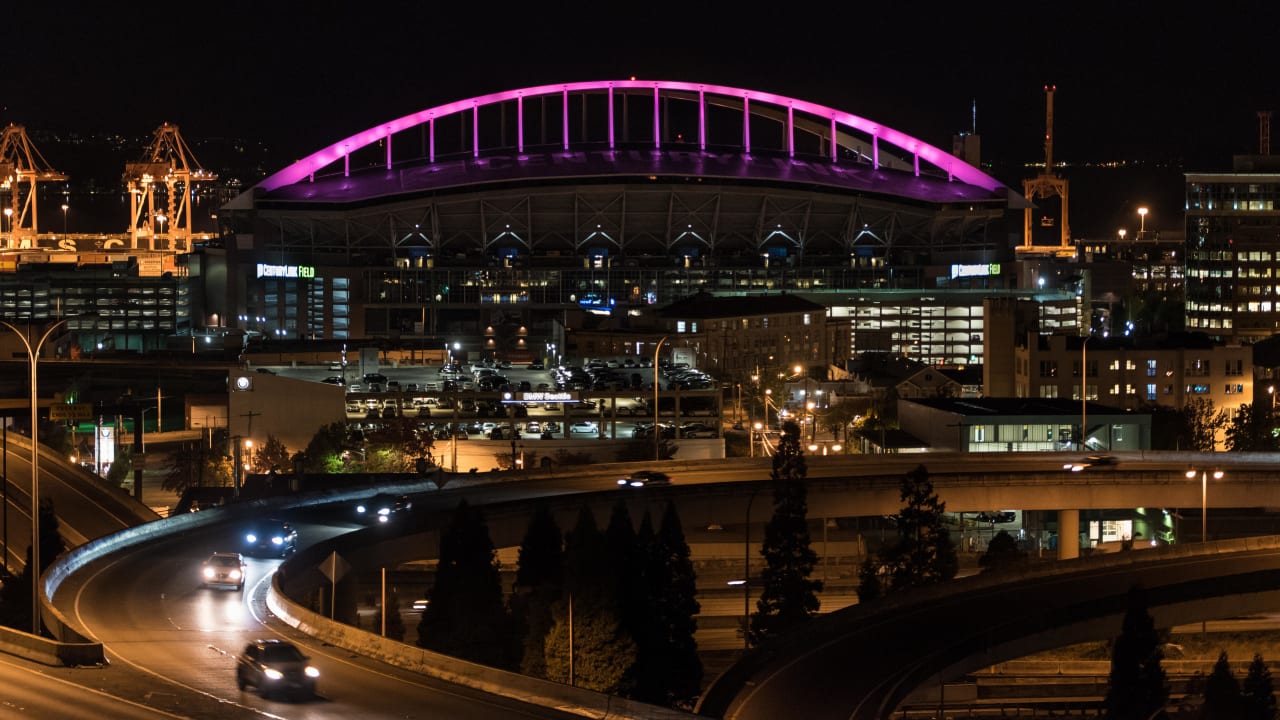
(1068, 534)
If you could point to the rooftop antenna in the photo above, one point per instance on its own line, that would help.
(974, 113)
(1264, 132)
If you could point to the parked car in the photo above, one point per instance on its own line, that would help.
(536, 366)
(583, 428)
(641, 478)
(223, 569)
(334, 380)
(698, 430)
(378, 378)
(275, 666)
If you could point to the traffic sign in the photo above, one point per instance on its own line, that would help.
(71, 411)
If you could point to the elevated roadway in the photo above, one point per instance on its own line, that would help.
(140, 602)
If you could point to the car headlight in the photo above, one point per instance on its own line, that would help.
(208, 572)
(235, 574)
(277, 540)
(382, 518)
(622, 481)
(273, 673)
(312, 672)
(359, 508)
(251, 537)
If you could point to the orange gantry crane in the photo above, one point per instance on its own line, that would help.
(22, 168)
(168, 169)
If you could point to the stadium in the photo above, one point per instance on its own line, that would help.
(501, 220)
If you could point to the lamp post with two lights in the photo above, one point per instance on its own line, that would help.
(33, 357)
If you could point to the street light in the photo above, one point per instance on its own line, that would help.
(1204, 499)
(746, 571)
(161, 219)
(142, 435)
(1142, 222)
(65, 208)
(1084, 393)
(657, 452)
(756, 429)
(8, 216)
(33, 357)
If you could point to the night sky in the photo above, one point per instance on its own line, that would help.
(1136, 81)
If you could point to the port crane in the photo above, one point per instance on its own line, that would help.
(165, 177)
(1047, 184)
(22, 169)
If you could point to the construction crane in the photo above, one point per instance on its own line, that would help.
(22, 168)
(168, 167)
(1046, 185)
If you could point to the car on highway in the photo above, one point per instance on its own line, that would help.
(383, 508)
(642, 478)
(1091, 461)
(270, 537)
(223, 569)
(276, 667)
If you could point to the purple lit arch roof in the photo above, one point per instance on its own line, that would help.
(915, 150)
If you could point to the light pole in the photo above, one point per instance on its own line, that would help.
(1204, 499)
(1084, 393)
(33, 356)
(8, 216)
(142, 434)
(161, 219)
(657, 453)
(1142, 222)
(746, 571)
(65, 208)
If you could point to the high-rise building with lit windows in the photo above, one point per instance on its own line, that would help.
(1233, 251)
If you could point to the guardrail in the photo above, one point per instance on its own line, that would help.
(450, 669)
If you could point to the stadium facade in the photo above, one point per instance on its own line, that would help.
(504, 220)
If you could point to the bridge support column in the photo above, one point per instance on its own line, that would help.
(1068, 534)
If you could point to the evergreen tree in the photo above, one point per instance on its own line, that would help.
(675, 614)
(603, 651)
(870, 585)
(1137, 686)
(394, 622)
(649, 673)
(1258, 699)
(924, 553)
(1221, 692)
(539, 576)
(466, 617)
(789, 597)
(1002, 552)
(51, 543)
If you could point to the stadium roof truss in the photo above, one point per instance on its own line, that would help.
(624, 167)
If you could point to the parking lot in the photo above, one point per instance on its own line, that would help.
(475, 401)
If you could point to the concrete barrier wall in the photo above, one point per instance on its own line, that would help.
(50, 652)
(450, 669)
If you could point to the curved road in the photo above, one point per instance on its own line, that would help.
(176, 642)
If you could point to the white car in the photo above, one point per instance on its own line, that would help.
(583, 428)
